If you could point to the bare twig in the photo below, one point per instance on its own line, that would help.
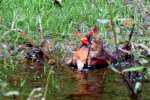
(124, 51)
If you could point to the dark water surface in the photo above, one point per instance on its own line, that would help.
(68, 84)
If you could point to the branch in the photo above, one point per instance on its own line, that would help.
(124, 51)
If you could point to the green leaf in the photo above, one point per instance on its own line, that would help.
(141, 68)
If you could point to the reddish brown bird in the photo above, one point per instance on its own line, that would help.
(90, 54)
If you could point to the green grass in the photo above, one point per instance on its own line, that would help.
(56, 21)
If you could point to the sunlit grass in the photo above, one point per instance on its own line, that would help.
(62, 21)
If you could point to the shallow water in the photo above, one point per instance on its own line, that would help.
(89, 85)
(68, 84)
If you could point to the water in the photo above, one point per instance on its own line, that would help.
(68, 84)
(89, 85)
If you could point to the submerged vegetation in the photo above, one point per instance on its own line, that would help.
(38, 36)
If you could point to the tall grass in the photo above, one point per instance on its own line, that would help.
(57, 21)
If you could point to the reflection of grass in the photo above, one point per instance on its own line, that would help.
(115, 89)
(146, 91)
(47, 83)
